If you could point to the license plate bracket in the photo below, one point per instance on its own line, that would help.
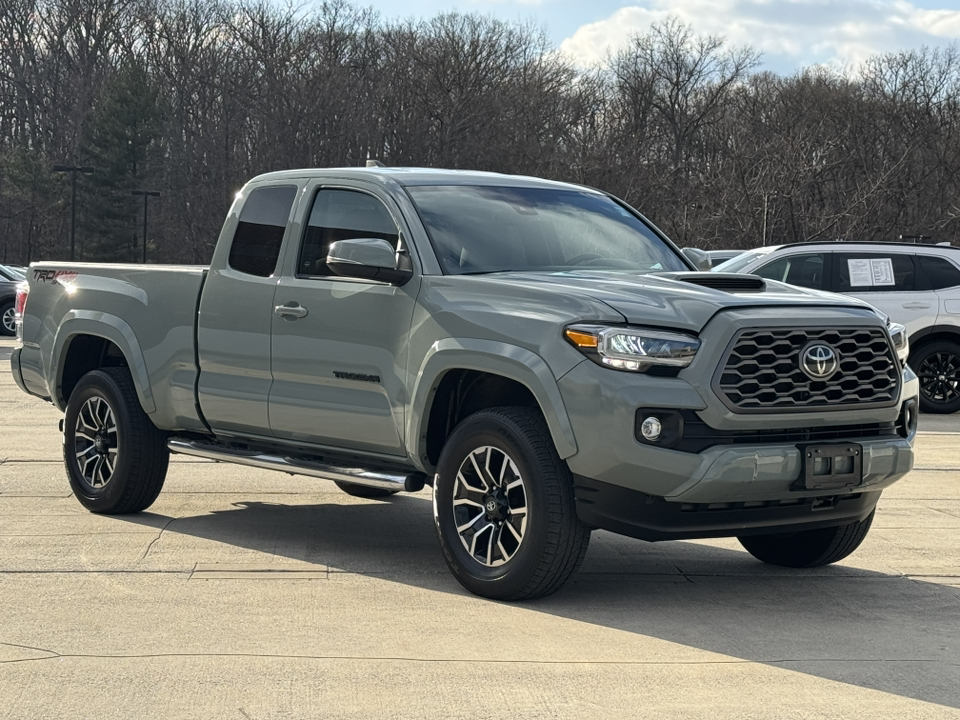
(832, 465)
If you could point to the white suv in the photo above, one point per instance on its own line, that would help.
(916, 285)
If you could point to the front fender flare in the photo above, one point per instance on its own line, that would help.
(497, 358)
(109, 327)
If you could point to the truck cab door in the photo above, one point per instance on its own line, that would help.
(339, 345)
(236, 311)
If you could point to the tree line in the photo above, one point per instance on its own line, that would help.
(193, 97)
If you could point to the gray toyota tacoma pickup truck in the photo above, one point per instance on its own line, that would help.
(539, 353)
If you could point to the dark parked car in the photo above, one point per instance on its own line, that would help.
(9, 279)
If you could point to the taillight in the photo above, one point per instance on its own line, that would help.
(22, 290)
(20, 304)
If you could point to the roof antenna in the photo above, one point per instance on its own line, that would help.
(374, 163)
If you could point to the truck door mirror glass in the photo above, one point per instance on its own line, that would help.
(699, 258)
(369, 258)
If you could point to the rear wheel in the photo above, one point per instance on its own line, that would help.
(808, 548)
(504, 507)
(362, 491)
(116, 459)
(937, 365)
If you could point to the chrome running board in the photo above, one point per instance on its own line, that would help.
(384, 479)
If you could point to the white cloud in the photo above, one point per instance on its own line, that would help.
(789, 33)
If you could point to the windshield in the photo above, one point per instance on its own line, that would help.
(11, 273)
(739, 262)
(497, 229)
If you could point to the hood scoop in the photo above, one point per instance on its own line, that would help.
(728, 282)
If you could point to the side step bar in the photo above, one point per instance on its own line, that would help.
(384, 479)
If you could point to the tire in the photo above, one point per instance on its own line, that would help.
(808, 548)
(514, 533)
(937, 364)
(8, 319)
(362, 491)
(105, 399)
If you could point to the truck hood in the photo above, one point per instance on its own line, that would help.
(675, 299)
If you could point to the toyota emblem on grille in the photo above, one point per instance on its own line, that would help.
(819, 361)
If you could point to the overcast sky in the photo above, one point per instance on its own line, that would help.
(791, 34)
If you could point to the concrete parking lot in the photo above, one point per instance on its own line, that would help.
(249, 594)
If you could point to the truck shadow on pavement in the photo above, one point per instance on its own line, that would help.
(873, 630)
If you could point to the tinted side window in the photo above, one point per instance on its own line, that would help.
(342, 215)
(263, 219)
(940, 272)
(874, 272)
(803, 270)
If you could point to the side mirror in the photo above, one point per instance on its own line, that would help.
(368, 258)
(699, 258)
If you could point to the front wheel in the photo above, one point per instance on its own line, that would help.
(504, 508)
(116, 459)
(8, 319)
(808, 548)
(937, 366)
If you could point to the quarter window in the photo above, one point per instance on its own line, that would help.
(940, 272)
(342, 215)
(259, 234)
(803, 270)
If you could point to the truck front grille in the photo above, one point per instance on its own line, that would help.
(762, 371)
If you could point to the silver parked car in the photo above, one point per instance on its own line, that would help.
(721, 256)
(915, 285)
(9, 279)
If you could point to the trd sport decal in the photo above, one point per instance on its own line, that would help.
(57, 277)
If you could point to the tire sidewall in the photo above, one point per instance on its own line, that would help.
(917, 359)
(474, 432)
(97, 384)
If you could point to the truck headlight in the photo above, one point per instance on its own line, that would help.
(898, 334)
(632, 348)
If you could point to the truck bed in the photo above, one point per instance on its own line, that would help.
(148, 311)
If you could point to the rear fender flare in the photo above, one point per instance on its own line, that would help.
(109, 327)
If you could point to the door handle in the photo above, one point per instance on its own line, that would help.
(291, 311)
(916, 306)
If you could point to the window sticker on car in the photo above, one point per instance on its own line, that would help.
(870, 272)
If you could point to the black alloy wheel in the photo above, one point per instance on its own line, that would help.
(937, 366)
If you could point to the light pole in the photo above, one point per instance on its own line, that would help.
(74, 169)
(146, 194)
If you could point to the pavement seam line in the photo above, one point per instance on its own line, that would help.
(379, 658)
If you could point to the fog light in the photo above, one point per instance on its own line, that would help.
(650, 429)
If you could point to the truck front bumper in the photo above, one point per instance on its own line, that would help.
(635, 514)
(731, 487)
(740, 491)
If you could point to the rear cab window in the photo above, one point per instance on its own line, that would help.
(263, 220)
